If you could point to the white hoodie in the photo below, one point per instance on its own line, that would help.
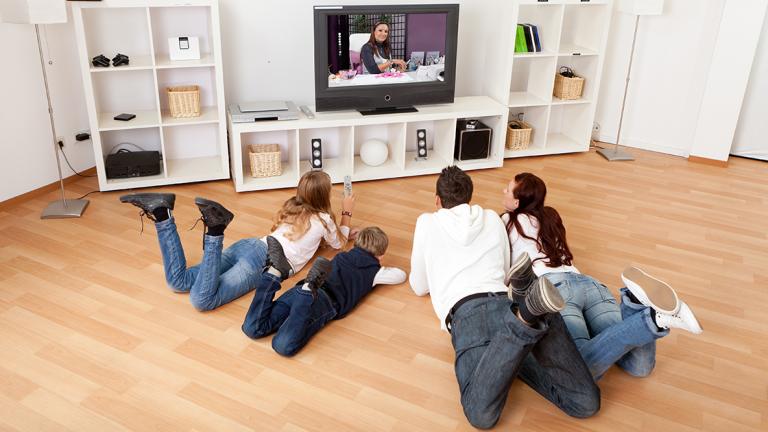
(458, 252)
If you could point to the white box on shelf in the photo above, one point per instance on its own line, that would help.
(184, 48)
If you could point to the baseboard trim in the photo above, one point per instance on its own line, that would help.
(707, 161)
(43, 190)
(643, 145)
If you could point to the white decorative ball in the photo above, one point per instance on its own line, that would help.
(374, 152)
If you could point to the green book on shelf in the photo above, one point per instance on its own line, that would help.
(520, 44)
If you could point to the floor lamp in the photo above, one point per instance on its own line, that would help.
(637, 8)
(39, 12)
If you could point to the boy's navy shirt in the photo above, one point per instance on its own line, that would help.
(351, 278)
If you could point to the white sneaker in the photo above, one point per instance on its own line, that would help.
(683, 319)
(650, 291)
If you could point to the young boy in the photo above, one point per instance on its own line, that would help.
(330, 291)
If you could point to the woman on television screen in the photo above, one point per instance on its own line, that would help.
(376, 55)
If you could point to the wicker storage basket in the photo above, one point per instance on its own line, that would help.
(568, 88)
(518, 139)
(265, 160)
(184, 101)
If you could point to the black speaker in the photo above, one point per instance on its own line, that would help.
(316, 157)
(421, 143)
(473, 140)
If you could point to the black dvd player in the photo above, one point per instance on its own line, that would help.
(126, 164)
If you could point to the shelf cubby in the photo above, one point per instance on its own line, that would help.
(393, 135)
(569, 128)
(337, 145)
(547, 18)
(582, 31)
(585, 67)
(129, 92)
(189, 152)
(170, 22)
(441, 136)
(109, 31)
(288, 140)
(532, 81)
(203, 77)
(148, 139)
(537, 117)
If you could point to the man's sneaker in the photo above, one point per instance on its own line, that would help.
(317, 274)
(543, 298)
(213, 213)
(683, 319)
(149, 202)
(520, 277)
(650, 291)
(276, 258)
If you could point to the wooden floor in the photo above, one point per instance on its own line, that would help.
(92, 340)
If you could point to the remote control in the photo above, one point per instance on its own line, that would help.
(347, 185)
(307, 112)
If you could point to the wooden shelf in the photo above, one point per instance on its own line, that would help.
(162, 62)
(194, 149)
(134, 63)
(523, 99)
(207, 115)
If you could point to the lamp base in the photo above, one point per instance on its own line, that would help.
(71, 208)
(615, 155)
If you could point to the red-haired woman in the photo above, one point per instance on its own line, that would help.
(604, 332)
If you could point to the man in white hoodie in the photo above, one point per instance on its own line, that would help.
(460, 257)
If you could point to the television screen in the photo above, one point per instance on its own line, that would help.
(384, 56)
(378, 49)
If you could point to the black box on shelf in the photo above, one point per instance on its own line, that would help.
(473, 140)
(127, 164)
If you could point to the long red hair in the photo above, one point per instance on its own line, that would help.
(530, 192)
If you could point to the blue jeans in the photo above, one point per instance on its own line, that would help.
(295, 315)
(493, 347)
(220, 277)
(605, 333)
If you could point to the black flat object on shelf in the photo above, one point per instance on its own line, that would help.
(125, 117)
(120, 60)
(100, 61)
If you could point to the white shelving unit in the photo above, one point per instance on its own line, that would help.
(192, 149)
(342, 133)
(573, 33)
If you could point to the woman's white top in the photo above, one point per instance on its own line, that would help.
(301, 250)
(520, 245)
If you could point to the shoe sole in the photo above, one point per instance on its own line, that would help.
(521, 262)
(206, 202)
(550, 295)
(273, 243)
(325, 262)
(651, 291)
(130, 199)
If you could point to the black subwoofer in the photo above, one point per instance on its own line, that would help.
(473, 140)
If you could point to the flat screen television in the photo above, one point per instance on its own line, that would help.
(384, 58)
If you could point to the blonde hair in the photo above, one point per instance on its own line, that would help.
(313, 196)
(372, 239)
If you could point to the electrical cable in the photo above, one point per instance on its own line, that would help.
(70, 165)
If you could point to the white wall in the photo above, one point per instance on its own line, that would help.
(28, 160)
(265, 57)
(269, 52)
(672, 57)
(751, 138)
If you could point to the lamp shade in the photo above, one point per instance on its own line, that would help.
(33, 11)
(642, 7)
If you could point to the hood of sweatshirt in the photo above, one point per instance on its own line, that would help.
(462, 223)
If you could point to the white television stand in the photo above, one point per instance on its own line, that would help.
(342, 133)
